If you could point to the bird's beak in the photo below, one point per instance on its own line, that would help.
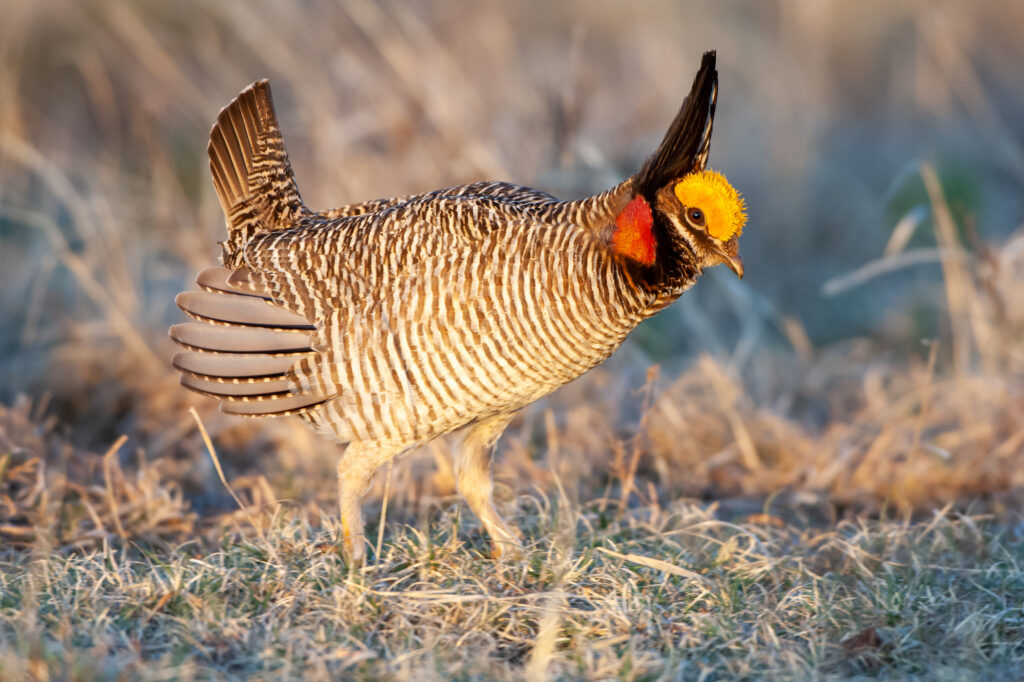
(734, 262)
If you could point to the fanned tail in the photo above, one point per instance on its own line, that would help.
(251, 171)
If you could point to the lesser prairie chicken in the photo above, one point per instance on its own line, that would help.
(388, 323)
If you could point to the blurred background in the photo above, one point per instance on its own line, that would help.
(872, 355)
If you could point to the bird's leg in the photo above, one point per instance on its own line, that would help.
(355, 472)
(474, 483)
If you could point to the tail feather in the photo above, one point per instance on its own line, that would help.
(251, 171)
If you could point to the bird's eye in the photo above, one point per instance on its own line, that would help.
(696, 216)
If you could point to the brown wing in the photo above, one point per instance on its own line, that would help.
(242, 348)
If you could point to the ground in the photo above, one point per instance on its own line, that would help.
(651, 594)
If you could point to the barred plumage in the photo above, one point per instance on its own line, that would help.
(388, 323)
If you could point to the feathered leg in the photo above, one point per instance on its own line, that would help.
(474, 483)
(355, 472)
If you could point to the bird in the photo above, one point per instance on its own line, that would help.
(388, 323)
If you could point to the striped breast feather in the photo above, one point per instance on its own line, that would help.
(242, 347)
(447, 289)
(463, 334)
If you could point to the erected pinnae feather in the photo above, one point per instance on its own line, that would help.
(686, 144)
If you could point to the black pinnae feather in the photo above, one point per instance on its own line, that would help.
(685, 147)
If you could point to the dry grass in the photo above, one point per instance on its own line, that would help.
(674, 594)
(822, 481)
(55, 496)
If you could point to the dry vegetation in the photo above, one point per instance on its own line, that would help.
(823, 479)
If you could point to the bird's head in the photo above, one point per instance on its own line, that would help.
(679, 211)
(708, 214)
